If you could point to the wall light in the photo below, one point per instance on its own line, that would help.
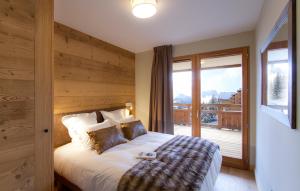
(129, 105)
(143, 8)
(129, 108)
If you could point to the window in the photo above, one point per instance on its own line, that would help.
(275, 77)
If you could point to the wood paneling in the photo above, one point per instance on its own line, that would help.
(89, 73)
(20, 158)
(17, 95)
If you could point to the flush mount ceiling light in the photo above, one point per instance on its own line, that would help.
(143, 8)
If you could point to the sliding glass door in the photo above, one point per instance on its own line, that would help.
(210, 97)
(221, 97)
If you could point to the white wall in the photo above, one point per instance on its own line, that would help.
(277, 146)
(143, 64)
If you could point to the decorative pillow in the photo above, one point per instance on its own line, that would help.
(84, 138)
(105, 138)
(77, 123)
(116, 115)
(133, 129)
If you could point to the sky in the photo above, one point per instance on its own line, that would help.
(182, 83)
(221, 80)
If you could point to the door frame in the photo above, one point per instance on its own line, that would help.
(43, 73)
(196, 99)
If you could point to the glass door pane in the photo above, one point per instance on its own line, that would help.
(221, 103)
(182, 98)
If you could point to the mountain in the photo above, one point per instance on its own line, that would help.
(206, 96)
(225, 95)
(183, 99)
(221, 95)
(209, 93)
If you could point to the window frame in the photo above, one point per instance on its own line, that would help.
(264, 89)
(288, 16)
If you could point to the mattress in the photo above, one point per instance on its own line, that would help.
(91, 171)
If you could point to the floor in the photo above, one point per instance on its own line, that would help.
(230, 141)
(231, 179)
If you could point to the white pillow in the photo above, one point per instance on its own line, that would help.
(77, 124)
(128, 119)
(105, 124)
(116, 115)
(83, 137)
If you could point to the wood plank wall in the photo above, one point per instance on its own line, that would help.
(90, 73)
(25, 82)
(17, 23)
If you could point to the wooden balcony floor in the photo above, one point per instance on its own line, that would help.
(230, 141)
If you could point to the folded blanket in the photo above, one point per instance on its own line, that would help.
(181, 164)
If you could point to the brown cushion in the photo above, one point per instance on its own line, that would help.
(133, 129)
(103, 139)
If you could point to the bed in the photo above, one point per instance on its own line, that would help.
(84, 169)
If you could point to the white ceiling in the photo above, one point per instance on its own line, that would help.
(176, 22)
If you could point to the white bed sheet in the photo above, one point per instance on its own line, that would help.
(91, 171)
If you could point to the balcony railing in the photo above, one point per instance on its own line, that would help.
(213, 115)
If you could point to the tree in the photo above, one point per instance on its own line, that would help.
(213, 100)
(277, 86)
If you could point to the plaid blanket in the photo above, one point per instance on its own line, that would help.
(181, 164)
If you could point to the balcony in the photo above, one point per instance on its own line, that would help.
(220, 123)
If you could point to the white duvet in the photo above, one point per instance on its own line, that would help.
(93, 172)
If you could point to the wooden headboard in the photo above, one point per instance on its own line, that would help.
(60, 132)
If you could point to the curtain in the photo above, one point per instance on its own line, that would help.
(161, 95)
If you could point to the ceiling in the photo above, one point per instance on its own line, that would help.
(176, 22)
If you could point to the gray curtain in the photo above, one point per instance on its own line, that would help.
(161, 96)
